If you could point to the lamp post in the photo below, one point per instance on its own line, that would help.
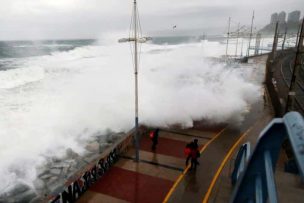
(136, 40)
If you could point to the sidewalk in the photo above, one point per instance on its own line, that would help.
(197, 186)
(151, 179)
(161, 176)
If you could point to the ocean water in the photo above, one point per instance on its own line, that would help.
(56, 95)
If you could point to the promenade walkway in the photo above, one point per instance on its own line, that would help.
(162, 176)
(152, 178)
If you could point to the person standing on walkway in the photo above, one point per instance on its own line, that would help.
(189, 147)
(195, 153)
(155, 139)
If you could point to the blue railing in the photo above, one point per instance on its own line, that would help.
(256, 182)
(240, 162)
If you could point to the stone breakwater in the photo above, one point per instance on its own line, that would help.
(57, 179)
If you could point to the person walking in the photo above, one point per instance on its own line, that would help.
(155, 139)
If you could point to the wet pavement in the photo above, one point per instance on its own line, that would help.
(161, 175)
(151, 179)
(156, 176)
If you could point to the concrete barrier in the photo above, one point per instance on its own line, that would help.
(81, 180)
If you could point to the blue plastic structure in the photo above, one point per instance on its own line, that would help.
(256, 182)
(240, 162)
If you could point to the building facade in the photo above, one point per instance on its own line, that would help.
(294, 16)
(282, 17)
(274, 18)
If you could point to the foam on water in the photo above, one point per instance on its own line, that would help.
(21, 76)
(51, 103)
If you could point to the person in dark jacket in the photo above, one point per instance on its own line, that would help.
(155, 139)
(192, 146)
(194, 155)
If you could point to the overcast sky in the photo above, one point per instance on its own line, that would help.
(58, 19)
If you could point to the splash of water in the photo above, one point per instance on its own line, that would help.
(56, 102)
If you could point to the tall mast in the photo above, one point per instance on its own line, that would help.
(136, 83)
(250, 36)
(136, 40)
(228, 33)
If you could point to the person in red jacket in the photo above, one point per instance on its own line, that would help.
(188, 149)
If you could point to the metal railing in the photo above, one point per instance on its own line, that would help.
(240, 162)
(256, 182)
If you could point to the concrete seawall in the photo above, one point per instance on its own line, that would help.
(81, 180)
(65, 179)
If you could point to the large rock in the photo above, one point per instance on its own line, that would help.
(104, 146)
(93, 147)
(20, 193)
(56, 171)
(71, 154)
(91, 157)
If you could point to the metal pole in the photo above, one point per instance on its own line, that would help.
(297, 64)
(269, 63)
(136, 40)
(298, 33)
(228, 37)
(257, 44)
(283, 43)
(262, 45)
(250, 36)
(242, 46)
(237, 39)
(136, 84)
(275, 42)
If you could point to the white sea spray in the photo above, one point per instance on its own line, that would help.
(54, 102)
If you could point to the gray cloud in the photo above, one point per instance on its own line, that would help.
(32, 19)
